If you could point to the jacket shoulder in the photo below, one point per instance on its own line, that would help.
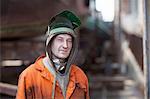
(31, 69)
(28, 71)
(79, 73)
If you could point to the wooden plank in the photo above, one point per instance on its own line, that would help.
(8, 89)
(109, 78)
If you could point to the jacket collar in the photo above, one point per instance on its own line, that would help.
(45, 73)
(42, 69)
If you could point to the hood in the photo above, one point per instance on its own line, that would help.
(63, 23)
(72, 55)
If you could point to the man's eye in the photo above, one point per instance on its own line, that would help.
(60, 39)
(70, 40)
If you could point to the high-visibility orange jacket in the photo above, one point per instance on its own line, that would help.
(36, 82)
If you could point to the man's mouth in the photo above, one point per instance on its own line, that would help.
(64, 51)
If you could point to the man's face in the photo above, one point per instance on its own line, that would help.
(61, 46)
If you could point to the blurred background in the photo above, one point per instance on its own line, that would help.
(114, 43)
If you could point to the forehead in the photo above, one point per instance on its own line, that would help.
(67, 36)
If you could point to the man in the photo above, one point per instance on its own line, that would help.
(54, 76)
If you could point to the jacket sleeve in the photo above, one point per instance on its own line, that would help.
(21, 91)
(83, 80)
(87, 90)
(24, 87)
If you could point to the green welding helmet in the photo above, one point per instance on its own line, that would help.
(65, 19)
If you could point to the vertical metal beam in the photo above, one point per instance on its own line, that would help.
(119, 36)
(146, 46)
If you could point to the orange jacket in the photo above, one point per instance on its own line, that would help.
(36, 82)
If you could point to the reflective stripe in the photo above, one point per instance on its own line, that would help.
(61, 29)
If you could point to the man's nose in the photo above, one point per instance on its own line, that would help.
(65, 44)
